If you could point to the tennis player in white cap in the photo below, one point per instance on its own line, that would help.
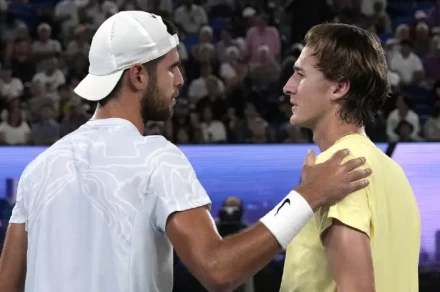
(102, 209)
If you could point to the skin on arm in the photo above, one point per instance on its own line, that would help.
(222, 264)
(13, 259)
(349, 255)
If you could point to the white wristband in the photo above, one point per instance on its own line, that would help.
(287, 219)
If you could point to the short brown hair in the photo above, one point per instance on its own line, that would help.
(347, 53)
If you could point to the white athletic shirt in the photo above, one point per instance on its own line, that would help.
(95, 206)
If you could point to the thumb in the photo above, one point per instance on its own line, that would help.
(310, 158)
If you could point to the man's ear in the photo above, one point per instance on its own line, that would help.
(137, 77)
(339, 90)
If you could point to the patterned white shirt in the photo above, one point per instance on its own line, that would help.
(95, 207)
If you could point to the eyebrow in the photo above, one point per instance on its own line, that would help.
(175, 64)
(297, 68)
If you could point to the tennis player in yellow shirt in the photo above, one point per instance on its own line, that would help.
(369, 241)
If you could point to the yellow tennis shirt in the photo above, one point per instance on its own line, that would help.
(386, 211)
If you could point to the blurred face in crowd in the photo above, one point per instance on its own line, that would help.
(422, 31)
(21, 49)
(226, 36)
(207, 53)
(250, 111)
(15, 117)
(22, 32)
(182, 136)
(232, 55)
(405, 50)
(6, 74)
(261, 21)
(36, 89)
(159, 95)
(46, 113)
(64, 93)
(51, 64)
(212, 86)
(207, 114)
(309, 92)
(205, 35)
(44, 34)
(402, 32)
(404, 131)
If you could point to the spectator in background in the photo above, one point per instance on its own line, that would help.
(294, 135)
(190, 17)
(197, 88)
(235, 126)
(215, 99)
(265, 73)
(403, 32)
(227, 41)
(13, 105)
(183, 136)
(259, 130)
(8, 26)
(51, 77)
(434, 15)
(46, 131)
(403, 112)
(79, 67)
(422, 41)
(213, 131)
(420, 17)
(36, 100)
(407, 64)
(431, 62)
(380, 19)
(432, 126)
(66, 15)
(21, 34)
(99, 10)
(14, 131)
(79, 45)
(228, 69)
(10, 87)
(75, 118)
(23, 67)
(259, 35)
(45, 46)
(206, 35)
(404, 132)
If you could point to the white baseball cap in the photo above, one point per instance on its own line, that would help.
(124, 39)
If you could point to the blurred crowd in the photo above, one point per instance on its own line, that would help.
(236, 56)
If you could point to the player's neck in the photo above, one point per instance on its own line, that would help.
(327, 133)
(112, 110)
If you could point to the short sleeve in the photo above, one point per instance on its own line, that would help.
(175, 185)
(19, 213)
(353, 210)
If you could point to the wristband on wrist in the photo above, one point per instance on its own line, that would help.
(287, 219)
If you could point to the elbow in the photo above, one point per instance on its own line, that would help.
(219, 279)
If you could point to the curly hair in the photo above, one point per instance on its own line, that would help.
(347, 53)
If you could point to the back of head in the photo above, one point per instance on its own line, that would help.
(345, 53)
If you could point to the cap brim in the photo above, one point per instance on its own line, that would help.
(95, 87)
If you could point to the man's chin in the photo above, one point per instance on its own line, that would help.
(294, 121)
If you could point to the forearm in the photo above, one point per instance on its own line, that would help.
(238, 257)
(234, 259)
